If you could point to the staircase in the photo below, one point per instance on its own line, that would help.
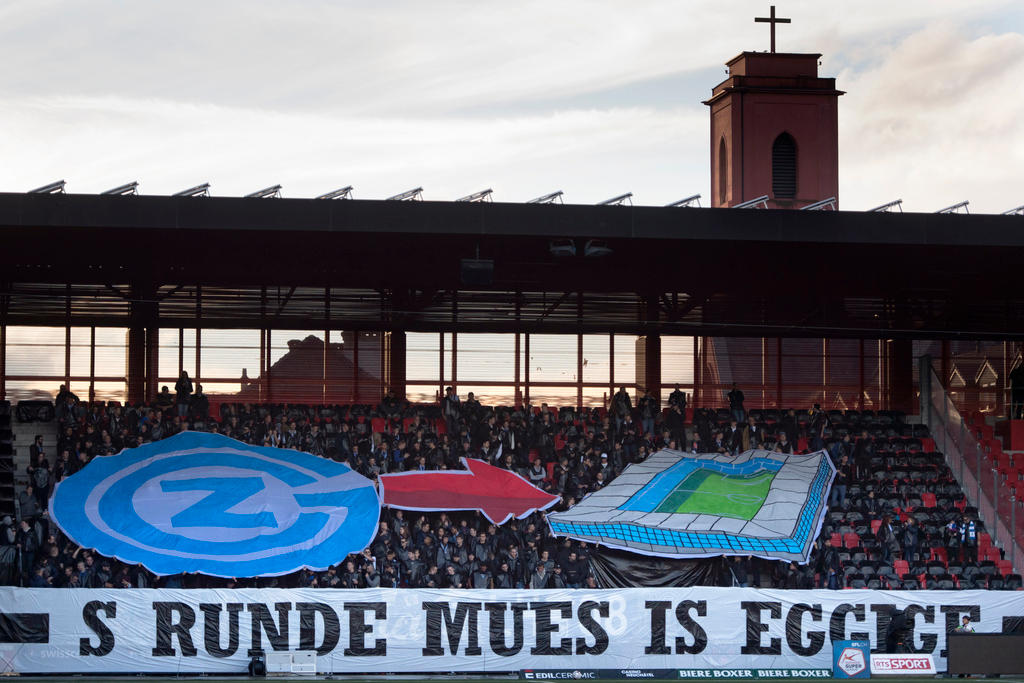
(7, 490)
(24, 435)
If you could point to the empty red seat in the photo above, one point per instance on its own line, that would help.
(1004, 567)
(928, 444)
(928, 500)
(902, 567)
(837, 540)
(440, 426)
(939, 555)
(851, 540)
(379, 424)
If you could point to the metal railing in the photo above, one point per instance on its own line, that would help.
(970, 462)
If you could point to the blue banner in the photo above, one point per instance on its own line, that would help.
(205, 503)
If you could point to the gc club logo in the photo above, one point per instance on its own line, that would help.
(205, 503)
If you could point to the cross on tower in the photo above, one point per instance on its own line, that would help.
(772, 20)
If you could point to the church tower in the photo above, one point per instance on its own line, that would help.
(774, 130)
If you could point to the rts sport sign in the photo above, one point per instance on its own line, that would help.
(205, 503)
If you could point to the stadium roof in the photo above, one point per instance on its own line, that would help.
(368, 264)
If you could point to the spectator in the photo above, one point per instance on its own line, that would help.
(676, 423)
(183, 391)
(648, 406)
(200, 404)
(753, 435)
(622, 407)
(783, 445)
(734, 437)
(451, 409)
(736, 404)
(911, 540)
(540, 578)
(164, 400)
(28, 504)
(39, 473)
(886, 538)
(968, 532)
(677, 398)
(839, 485)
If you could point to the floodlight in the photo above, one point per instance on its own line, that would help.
(596, 249)
(407, 196)
(823, 205)
(688, 202)
(197, 191)
(340, 193)
(954, 207)
(52, 188)
(1019, 211)
(888, 206)
(126, 189)
(548, 198)
(562, 248)
(618, 201)
(274, 191)
(755, 203)
(481, 196)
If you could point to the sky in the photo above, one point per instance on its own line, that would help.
(592, 98)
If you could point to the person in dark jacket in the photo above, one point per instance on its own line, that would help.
(911, 540)
(676, 423)
(736, 404)
(648, 406)
(183, 390)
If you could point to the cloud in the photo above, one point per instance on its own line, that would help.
(525, 98)
(936, 122)
(98, 143)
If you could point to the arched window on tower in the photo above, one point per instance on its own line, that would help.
(784, 167)
(723, 171)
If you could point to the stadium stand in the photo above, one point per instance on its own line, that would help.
(900, 520)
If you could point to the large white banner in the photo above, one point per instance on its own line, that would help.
(49, 630)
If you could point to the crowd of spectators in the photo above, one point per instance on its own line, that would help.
(565, 451)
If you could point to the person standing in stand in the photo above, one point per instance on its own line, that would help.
(736, 404)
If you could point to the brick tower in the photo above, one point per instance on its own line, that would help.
(774, 130)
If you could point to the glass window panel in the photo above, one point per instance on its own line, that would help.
(34, 390)
(111, 351)
(552, 359)
(282, 341)
(226, 354)
(553, 396)
(488, 395)
(168, 353)
(109, 391)
(421, 349)
(596, 360)
(35, 351)
(81, 341)
(486, 358)
(677, 360)
(625, 360)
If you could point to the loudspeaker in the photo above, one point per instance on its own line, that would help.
(257, 663)
(477, 272)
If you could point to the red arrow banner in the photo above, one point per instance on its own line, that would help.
(499, 494)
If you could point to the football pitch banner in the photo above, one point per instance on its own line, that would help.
(50, 630)
(757, 503)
